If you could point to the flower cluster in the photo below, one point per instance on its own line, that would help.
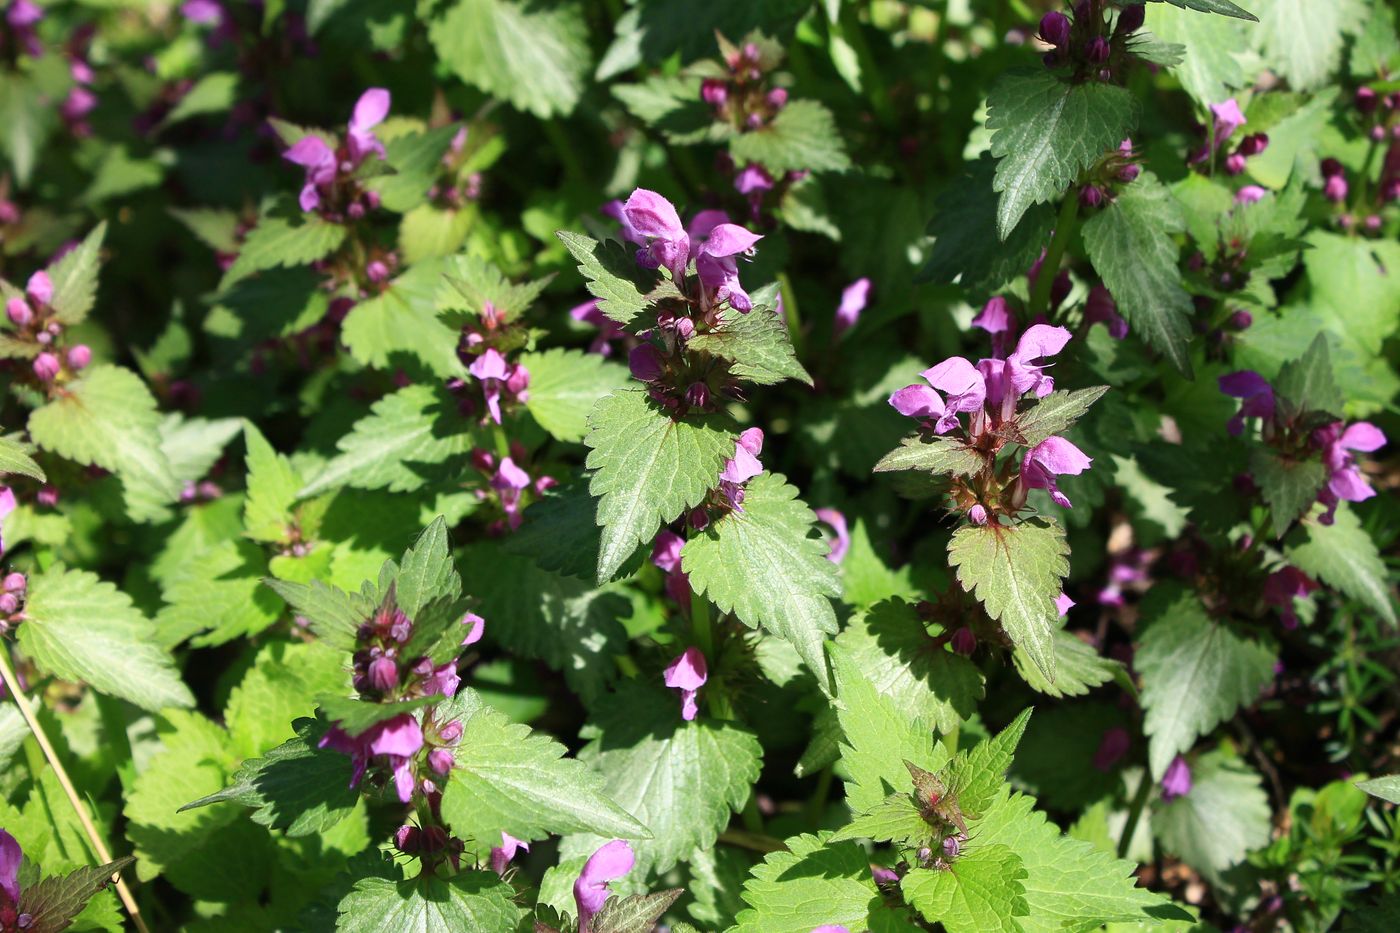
(36, 321)
(741, 97)
(1297, 435)
(1114, 170)
(1226, 118)
(988, 393)
(331, 187)
(1086, 44)
(509, 484)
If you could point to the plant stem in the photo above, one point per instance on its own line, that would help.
(35, 729)
(950, 741)
(701, 626)
(817, 802)
(1064, 231)
(498, 434)
(1144, 790)
(794, 318)
(755, 841)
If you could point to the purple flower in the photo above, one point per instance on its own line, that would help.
(1054, 28)
(753, 180)
(202, 12)
(10, 857)
(1258, 397)
(666, 550)
(841, 540)
(476, 627)
(23, 13)
(611, 861)
(646, 363)
(963, 642)
(1249, 194)
(490, 370)
(40, 287)
(1052, 457)
(717, 267)
(608, 329)
(47, 367)
(1282, 588)
(397, 739)
(1176, 782)
(1131, 19)
(7, 505)
(833, 927)
(501, 855)
(1227, 118)
(509, 482)
(654, 219)
(965, 386)
(854, 298)
(19, 313)
(1097, 50)
(1112, 747)
(370, 111)
(688, 674)
(318, 159)
(79, 357)
(744, 465)
(1345, 481)
(995, 316)
(882, 875)
(1100, 308)
(1038, 342)
(79, 103)
(1063, 604)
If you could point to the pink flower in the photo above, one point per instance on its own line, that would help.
(1063, 604)
(490, 369)
(611, 861)
(476, 628)
(370, 111)
(995, 316)
(397, 739)
(501, 855)
(841, 540)
(1282, 588)
(202, 12)
(1100, 308)
(666, 550)
(608, 329)
(853, 301)
(688, 674)
(508, 482)
(1258, 397)
(717, 267)
(10, 857)
(831, 928)
(40, 287)
(753, 180)
(1053, 457)
(1345, 480)
(963, 642)
(1022, 366)
(1250, 194)
(654, 220)
(7, 505)
(318, 159)
(1225, 118)
(744, 465)
(1176, 782)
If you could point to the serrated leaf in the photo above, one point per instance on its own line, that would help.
(975, 777)
(611, 273)
(681, 780)
(788, 585)
(672, 104)
(401, 444)
(1224, 817)
(1078, 668)
(1211, 69)
(474, 900)
(1386, 787)
(648, 469)
(1289, 487)
(281, 687)
(400, 326)
(108, 417)
(478, 287)
(1045, 132)
(980, 890)
(508, 779)
(896, 818)
(416, 159)
(1195, 674)
(54, 902)
(561, 533)
(1015, 571)
(1223, 7)
(1343, 556)
(1302, 41)
(810, 884)
(215, 92)
(296, 787)
(74, 278)
(936, 455)
(84, 629)
(272, 486)
(1130, 243)
(281, 242)
(533, 55)
(564, 387)
(757, 345)
(217, 593)
(966, 246)
(1307, 384)
(333, 614)
(1056, 413)
(14, 459)
(636, 914)
(355, 717)
(426, 572)
(802, 137)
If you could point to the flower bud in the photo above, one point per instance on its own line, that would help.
(685, 328)
(355, 211)
(1241, 320)
(1372, 223)
(1054, 28)
(698, 395)
(1059, 291)
(1365, 100)
(441, 760)
(964, 642)
(1234, 164)
(14, 583)
(47, 496)
(1336, 189)
(1378, 133)
(46, 367)
(1129, 172)
(646, 363)
(377, 271)
(777, 98)
(1090, 196)
(451, 732)
(9, 603)
(1097, 50)
(714, 92)
(1254, 144)
(383, 674)
(408, 839)
(699, 519)
(44, 337)
(951, 846)
(1330, 167)
(79, 357)
(977, 514)
(18, 311)
(1130, 20)
(40, 287)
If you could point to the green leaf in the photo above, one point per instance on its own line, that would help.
(1308, 385)
(966, 246)
(14, 458)
(297, 787)
(560, 533)
(653, 30)
(1015, 572)
(1078, 668)
(400, 326)
(636, 914)
(1224, 817)
(281, 242)
(508, 779)
(878, 738)
(218, 594)
(1224, 7)
(1386, 787)
(400, 445)
(333, 614)
(215, 92)
(1046, 132)
(1343, 556)
(757, 345)
(1290, 487)
(894, 819)
(473, 900)
(74, 278)
(975, 777)
(1195, 674)
(936, 455)
(787, 583)
(281, 687)
(355, 717)
(980, 890)
(272, 489)
(108, 417)
(891, 647)
(1212, 68)
(535, 56)
(672, 105)
(416, 159)
(809, 884)
(1376, 50)
(477, 283)
(1130, 243)
(648, 469)
(682, 780)
(802, 137)
(83, 629)
(1302, 41)
(611, 273)
(564, 387)
(1055, 414)
(54, 902)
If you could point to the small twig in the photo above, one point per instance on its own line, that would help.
(1265, 765)
(12, 683)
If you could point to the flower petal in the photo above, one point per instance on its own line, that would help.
(729, 240)
(652, 215)
(917, 401)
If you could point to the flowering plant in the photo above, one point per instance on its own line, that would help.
(787, 467)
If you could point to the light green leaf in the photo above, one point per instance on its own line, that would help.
(682, 780)
(810, 884)
(83, 629)
(1224, 7)
(477, 283)
(1308, 384)
(416, 159)
(975, 776)
(74, 278)
(1130, 243)
(280, 242)
(1015, 572)
(1301, 40)
(611, 273)
(896, 818)
(1046, 132)
(214, 92)
(218, 594)
(788, 583)
(426, 573)
(1343, 556)
(400, 326)
(980, 890)
(1211, 69)
(333, 614)
(1078, 668)
(1386, 787)
(280, 687)
(636, 914)
(1055, 414)
(1224, 817)
(648, 469)
(564, 387)
(535, 56)
(1288, 486)
(802, 137)
(474, 900)
(508, 779)
(672, 104)
(936, 455)
(272, 489)
(108, 417)
(1195, 674)
(757, 345)
(1377, 47)
(15, 459)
